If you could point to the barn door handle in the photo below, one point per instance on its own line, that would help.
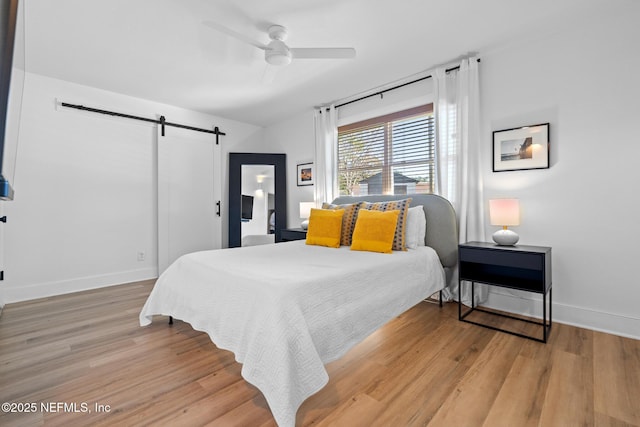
(218, 208)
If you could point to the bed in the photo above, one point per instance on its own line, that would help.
(301, 306)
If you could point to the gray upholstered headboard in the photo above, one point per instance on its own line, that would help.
(442, 228)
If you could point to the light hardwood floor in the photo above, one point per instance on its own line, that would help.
(424, 368)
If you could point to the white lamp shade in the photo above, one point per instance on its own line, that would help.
(504, 212)
(305, 209)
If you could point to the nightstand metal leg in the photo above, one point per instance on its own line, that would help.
(473, 295)
(544, 317)
(550, 307)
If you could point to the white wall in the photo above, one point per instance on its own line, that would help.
(582, 81)
(85, 190)
(295, 137)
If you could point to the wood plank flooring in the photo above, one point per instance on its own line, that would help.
(424, 368)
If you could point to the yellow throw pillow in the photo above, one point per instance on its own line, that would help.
(399, 241)
(325, 227)
(374, 231)
(348, 220)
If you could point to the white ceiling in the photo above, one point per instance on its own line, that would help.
(159, 49)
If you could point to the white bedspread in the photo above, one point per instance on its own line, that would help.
(287, 309)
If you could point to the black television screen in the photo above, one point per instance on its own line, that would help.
(247, 207)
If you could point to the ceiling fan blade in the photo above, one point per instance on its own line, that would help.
(234, 34)
(323, 53)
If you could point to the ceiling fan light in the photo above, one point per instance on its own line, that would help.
(277, 57)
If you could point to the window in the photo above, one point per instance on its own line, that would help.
(391, 154)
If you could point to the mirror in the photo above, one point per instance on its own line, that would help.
(257, 214)
(257, 198)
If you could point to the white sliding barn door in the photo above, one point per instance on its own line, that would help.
(189, 185)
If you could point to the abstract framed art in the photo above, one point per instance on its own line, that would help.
(522, 148)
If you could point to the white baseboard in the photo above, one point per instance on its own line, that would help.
(528, 305)
(48, 289)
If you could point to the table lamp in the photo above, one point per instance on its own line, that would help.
(305, 213)
(505, 212)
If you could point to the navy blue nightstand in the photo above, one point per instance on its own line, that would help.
(525, 268)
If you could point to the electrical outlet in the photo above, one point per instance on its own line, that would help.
(141, 255)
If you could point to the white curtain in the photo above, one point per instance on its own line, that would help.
(326, 185)
(459, 149)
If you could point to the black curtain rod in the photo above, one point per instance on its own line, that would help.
(379, 93)
(162, 121)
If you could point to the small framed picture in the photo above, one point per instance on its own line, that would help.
(521, 148)
(305, 174)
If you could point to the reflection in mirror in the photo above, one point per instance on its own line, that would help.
(257, 198)
(258, 204)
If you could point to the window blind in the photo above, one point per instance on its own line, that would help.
(391, 154)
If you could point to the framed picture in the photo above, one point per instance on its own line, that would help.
(305, 174)
(521, 148)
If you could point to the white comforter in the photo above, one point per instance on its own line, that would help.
(286, 309)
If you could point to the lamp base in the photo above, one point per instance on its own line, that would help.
(505, 237)
(305, 224)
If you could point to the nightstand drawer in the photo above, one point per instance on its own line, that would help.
(497, 257)
(289, 234)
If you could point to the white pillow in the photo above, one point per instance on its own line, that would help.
(416, 227)
(422, 230)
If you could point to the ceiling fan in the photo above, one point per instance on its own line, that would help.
(276, 52)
